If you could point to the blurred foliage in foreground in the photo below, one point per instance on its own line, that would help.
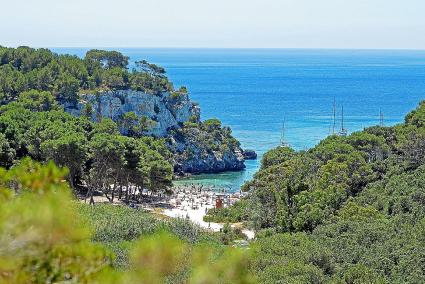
(44, 240)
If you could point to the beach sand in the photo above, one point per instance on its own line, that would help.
(188, 202)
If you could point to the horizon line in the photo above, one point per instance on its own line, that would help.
(230, 48)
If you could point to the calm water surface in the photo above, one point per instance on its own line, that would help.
(253, 90)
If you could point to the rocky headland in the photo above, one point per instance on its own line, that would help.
(197, 147)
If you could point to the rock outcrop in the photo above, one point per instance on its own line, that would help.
(249, 154)
(167, 110)
(197, 147)
(201, 150)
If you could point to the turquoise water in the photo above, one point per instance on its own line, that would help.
(253, 90)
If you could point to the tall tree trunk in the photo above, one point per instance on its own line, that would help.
(126, 194)
(87, 195)
(120, 192)
(91, 197)
(113, 191)
(141, 193)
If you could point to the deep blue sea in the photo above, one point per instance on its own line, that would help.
(254, 90)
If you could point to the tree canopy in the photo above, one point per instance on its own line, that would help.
(45, 237)
(350, 210)
(65, 76)
(95, 153)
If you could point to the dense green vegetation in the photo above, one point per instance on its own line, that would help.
(35, 84)
(47, 237)
(118, 227)
(65, 76)
(350, 210)
(95, 153)
(210, 135)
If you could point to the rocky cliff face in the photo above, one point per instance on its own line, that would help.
(197, 148)
(167, 110)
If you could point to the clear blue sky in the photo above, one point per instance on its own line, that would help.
(214, 23)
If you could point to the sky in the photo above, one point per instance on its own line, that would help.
(366, 24)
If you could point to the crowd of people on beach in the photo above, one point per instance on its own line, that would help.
(193, 201)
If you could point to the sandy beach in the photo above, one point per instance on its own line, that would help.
(191, 202)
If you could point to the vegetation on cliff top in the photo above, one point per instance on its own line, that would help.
(203, 141)
(65, 76)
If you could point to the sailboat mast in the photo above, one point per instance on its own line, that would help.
(282, 135)
(334, 117)
(343, 131)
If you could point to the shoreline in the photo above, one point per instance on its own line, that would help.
(177, 177)
(187, 202)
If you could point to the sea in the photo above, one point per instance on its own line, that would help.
(255, 90)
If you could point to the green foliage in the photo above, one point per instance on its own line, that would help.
(205, 139)
(37, 101)
(417, 117)
(234, 214)
(53, 246)
(291, 258)
(96, 155)
(212, 124)
(358, 244)
(44, 240)
(116, 78)
(149, 83)
(7, 153)
(107, 59)
(228, 234)
(298, 191)
(105, 126)
(87, 110)
(118, 227)
(123, 161)
(24, 68)
(67, 88)
(351, 209)
(150, 68)
(33, 81)
(69, 150)
(143, 125)
(276, 156)
(128, 122)
(183, 90)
